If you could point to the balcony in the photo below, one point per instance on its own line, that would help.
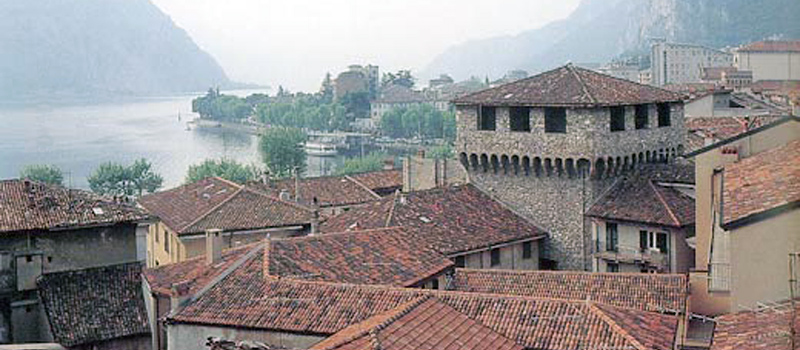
(632, 255)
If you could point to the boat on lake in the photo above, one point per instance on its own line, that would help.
(320, 149)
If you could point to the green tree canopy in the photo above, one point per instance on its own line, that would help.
(402, 78)
(50, 174)
(423, 121)
(228, 169)
(282, 150)
(224, 107)
(371, 162)
(115, 179)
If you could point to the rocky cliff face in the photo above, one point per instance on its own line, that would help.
(600, 30)
(97, 47)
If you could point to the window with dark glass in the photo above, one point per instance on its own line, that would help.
(527, 250)
(643, 244)
(495, 256)
(612, 267)
(555, 120)
(662, 242)
(435, 284)
(166, 241)
(642, 117)
(487, 118)
(664, 115)
(520, 119)
(617, 118)
(461, 261)
(612, 237)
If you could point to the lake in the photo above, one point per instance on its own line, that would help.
(77, 138)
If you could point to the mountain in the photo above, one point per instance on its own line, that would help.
(97, 47)
(599, 30)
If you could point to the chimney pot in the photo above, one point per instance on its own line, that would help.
(213, 246)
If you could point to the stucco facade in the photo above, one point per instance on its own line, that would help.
(629, 255)
(775, 65)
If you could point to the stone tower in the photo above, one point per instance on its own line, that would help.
(548, 145)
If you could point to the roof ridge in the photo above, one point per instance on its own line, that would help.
(362, 186)
(615, 326)
(229, 182)
(277, 199)
(583, 85)
(664, 203)
(211, 210)
(391, 210)
(583, 273)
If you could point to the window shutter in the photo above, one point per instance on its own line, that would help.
(643, 240)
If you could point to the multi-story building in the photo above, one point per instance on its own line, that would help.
(746, 218)
(622, 71)
(357, 79)
(395, 96)
(672, 63)
(770, 60)
(550, 144)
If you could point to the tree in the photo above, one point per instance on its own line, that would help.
(402, 78)
(282, 150)
(49, 174)
(326, 90)
(372, 162)
(440, 152)
(356, 104)
(225, 168)
(113, 179)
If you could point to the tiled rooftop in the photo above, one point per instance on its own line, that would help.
(569, 86)
(327, 190)
(647, 292)
(772, 45)
(380, 181)
(382, 256)
(763, 329)
(452, 220)
(721, 128)
(215, 203)
(761, 182)
(422, 324)
(94, 305)
(399, 94)
(29, 205)
(246, 299)
(644, 198)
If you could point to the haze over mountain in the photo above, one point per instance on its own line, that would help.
(599, 30)
(97, 47)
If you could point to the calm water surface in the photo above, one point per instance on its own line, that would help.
(77, 138)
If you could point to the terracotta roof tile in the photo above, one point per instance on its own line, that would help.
(647, 292)
(93, 305)
(383, 256)
(772, 46)
(246, 299)
(215, 203)
(721, 128)
(569, 86)
(422, 324)
(381, 181)
(769, 329)
(31, 205)
(761, 182)
(451, 220)
(327, 190)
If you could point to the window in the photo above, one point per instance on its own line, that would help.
(612, 267)
(166, 242)
(156, 235)
(527, 250)
(617, 118)
(663, 115)
(612, 237)
(642, 117)
(520, 119)
(652, 240)
(555, 120)
(487, 118)
(644, 241)
(435, 284)
(662, 242)
(461, 261)
(495, 257)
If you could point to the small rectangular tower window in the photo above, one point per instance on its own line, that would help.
(618, 118)
(663, 115)
(642, 117)
(520, 119)
(555, 120)
(487, 118)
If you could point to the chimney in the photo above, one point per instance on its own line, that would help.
(315, 221)
(284, 195)
(388, 164)
(179, 295)
(213, 246)
(265, 178)
(421, 153)
(296, 184)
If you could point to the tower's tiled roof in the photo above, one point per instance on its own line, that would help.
(569, 86)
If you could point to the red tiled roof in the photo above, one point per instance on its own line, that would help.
(642, 199)
(215, 203)
(380, 180)
(246, 299)
(768, 329)
(569, 86)
(94, 305)
(193, 273)
(382, 256)
(721, 128)
(422, 324)
(647, 292)
(772, 46)
(452, 220)
(761, 182)
(30, 205)
(327, 190)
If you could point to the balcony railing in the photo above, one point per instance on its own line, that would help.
(635, 255)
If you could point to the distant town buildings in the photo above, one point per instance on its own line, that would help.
(357, 79)
(672, 63)
(770, 60)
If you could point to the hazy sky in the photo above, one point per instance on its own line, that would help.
(294, 42)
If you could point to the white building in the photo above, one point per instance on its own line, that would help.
(770, 60)
(672, 63)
